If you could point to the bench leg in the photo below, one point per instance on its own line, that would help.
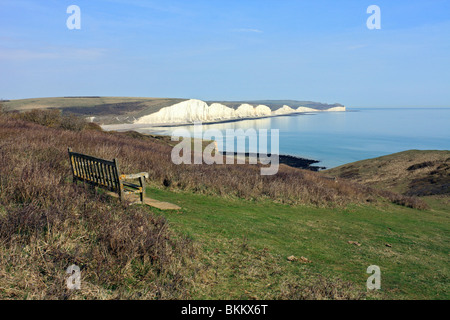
(142, 183)
(121, 192)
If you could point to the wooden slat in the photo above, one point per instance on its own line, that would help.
(85, 168)
(135, 176)
(76, 170)
(103, 175)
(88, 169)
(80, 165)
(96, 174)
(111, 174)
(83, 156)
(129, 184)
(92, 168)
(113, 179)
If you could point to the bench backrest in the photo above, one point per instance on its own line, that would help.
(95, 171)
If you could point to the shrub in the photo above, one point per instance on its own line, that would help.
(403, 200)
(53, 118)
(72, 122)
(48, 118)
(93, 126)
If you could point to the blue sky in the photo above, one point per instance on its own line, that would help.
(229, 50)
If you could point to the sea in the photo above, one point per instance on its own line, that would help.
(337, 138)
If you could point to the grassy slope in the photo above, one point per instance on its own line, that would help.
(60, 102)
(414, 267)
(105, 109)
(416, 172)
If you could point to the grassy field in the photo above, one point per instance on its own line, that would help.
(61, 102)
(410, 246)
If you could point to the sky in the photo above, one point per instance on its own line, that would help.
(229, 50)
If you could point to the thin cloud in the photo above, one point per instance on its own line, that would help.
(60, 53)
(248, 30)
(152, 5)
(357, 46)
(13, 54)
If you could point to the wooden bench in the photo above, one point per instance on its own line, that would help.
(105, 174)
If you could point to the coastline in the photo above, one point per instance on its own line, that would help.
(131, 126)
(289, 160)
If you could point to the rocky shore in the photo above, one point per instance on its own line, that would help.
(292, 161)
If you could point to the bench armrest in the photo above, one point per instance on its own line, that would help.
(134, 176)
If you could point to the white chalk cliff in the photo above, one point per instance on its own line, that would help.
(305, 109)
(284, 110)
(193, 110)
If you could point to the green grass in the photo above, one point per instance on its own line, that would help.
(414, 267)
(60, 102)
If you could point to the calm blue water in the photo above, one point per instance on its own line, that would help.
(337, 138)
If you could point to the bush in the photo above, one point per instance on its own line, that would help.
(403, 200)
(93, 126)
(73, 123)
(2, 107)
(53, 118)
(47, 118)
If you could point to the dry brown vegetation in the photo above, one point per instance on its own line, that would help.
(321, 288)
(412, 172)
(53, 119)
(47, 223)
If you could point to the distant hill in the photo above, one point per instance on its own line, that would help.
(112, 110)
(276, 104)
(413, 172)
(105, 109)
